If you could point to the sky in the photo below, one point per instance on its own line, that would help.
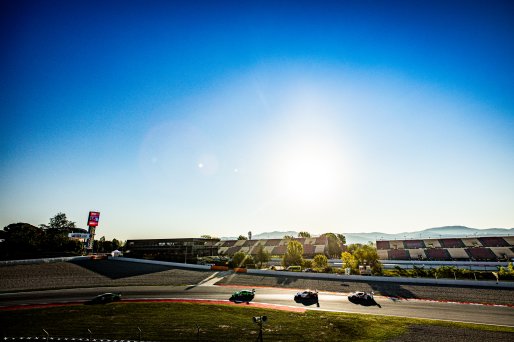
(185, 118)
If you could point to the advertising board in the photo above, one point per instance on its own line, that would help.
(94, 217)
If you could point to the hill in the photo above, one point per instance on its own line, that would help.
(437, 232)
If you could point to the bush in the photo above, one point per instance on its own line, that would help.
(320, 261)
(506, 273)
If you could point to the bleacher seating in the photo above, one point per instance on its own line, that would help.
(487, 248)
(481, 253)
(413, 244)
(383, 245)
(437, 254)
(309, 250)
(503, 253)
(273, 242)
(432, 243)
(452, 243)
(254, 249)
(491, 241)
(250, 243)
(279, 250)
(417, 254)
(232, 250)
(398, 254)
(321, 240)
(300, 240)
(227, 243)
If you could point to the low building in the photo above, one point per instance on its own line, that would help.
(177, 250)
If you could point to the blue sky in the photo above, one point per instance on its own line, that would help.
(178, 119)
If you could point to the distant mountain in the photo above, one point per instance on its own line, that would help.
(269, 235)
(438, 232)
(274, 235)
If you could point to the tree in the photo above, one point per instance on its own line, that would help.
(341, 238)
(116, 244)
(239, 259)
(288, 237)
(56, 241)
(335, 244)
(23, 240)
(242, 237)
(262, 255)
(366, 254)
(304, 235)
(349, 261)
(320, 261)
(294, 254)
(59, 221)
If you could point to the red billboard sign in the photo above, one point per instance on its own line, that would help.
(94, 217)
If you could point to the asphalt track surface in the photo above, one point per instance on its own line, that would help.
(483, 314)
(79, 282)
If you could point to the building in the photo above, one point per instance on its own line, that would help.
(178, 250)
(189, 249)
(275, 247)
(487, 248)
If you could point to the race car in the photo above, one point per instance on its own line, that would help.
(306, 296)
(243, 296)
(363, 298)
(105, 298)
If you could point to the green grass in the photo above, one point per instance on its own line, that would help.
(177, 321)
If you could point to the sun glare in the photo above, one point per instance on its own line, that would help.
(309, 174)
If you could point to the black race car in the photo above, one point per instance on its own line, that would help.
(243, 296)
(307, 297)
(105, 298)
(363, 298)
(307, 294)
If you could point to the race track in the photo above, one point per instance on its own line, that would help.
(77, 282)
(483, 314)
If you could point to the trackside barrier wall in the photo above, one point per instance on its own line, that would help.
(219, 268)
(165, 263)
(476, 283)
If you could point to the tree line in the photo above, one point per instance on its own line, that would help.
(351, 256)
(26, 241)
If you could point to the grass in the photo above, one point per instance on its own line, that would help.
(177, 322)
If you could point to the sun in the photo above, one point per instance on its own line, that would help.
(309, 173)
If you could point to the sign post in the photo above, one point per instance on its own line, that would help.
(92, 223)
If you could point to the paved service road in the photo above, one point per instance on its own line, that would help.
(485, 314)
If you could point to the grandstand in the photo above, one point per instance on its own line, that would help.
(276, 247)
(489, 248)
